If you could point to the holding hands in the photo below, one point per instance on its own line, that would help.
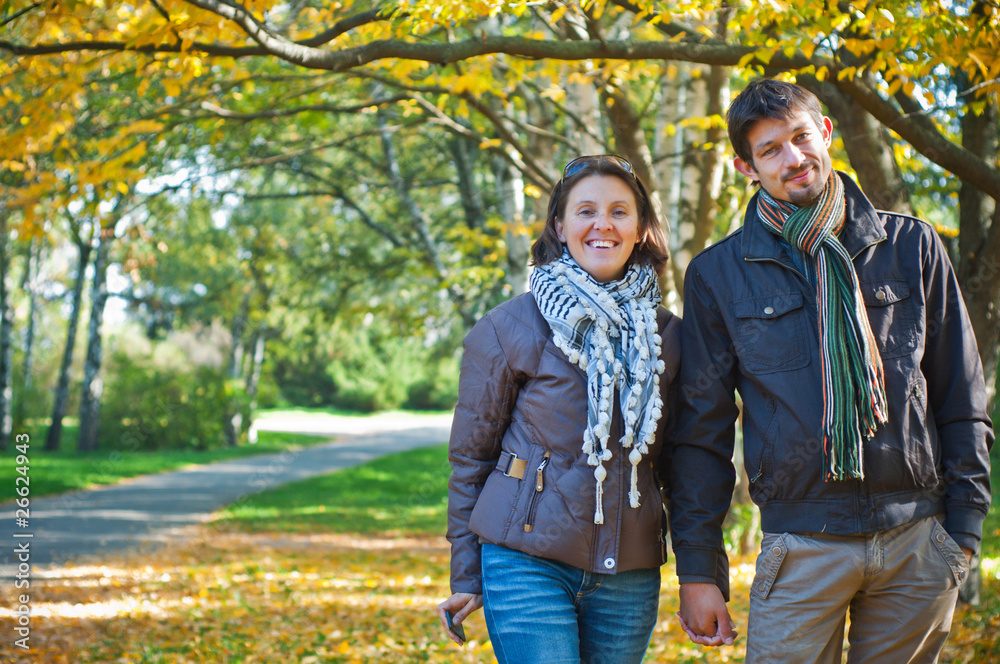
(704, 615)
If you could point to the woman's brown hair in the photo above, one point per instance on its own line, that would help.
(652, 245)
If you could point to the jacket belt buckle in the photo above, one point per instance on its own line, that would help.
(515, 467)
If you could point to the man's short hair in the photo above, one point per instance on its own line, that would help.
(767, 98)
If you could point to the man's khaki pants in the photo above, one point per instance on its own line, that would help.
(899, 587)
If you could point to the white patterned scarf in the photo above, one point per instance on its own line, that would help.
(609, 330)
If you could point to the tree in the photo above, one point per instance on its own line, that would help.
(881, 61)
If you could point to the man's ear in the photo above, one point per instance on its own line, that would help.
(827, 131)
(746, 169)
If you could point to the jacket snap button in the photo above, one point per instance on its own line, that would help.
(940, 537)
(609, 562)
(768, 310)
(776, 551)
(880, 295)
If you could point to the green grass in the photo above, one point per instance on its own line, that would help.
(67, 470)
(403, 493)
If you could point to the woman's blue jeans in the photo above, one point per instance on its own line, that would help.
(544, 611)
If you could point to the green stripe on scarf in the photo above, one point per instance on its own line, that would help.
(854, 403)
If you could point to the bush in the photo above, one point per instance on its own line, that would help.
(158, 398)
(373, 370)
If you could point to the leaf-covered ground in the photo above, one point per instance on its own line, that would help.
(342, 568)
(315, 599)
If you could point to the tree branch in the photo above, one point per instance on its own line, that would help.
(919, 131)
(926, 139)
(13, 17)
(216, 111)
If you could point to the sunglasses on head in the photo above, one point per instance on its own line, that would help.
(576, 165)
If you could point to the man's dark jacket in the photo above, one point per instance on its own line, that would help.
(750, 325)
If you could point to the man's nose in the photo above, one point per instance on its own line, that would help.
(792, 155)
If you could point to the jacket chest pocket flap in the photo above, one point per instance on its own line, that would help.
(891, 316)
(770, 333)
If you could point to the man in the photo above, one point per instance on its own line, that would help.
(865, 432)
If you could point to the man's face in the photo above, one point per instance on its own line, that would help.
(791, 157)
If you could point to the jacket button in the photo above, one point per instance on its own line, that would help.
(609, 563)
(776, 551)
(768, 310)
(941, 537)
(880, 295)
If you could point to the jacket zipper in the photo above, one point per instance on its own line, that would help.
(539, 485)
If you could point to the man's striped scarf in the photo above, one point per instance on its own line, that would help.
(854, 403)
(609, 330)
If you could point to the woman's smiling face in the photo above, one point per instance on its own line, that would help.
(600, 226)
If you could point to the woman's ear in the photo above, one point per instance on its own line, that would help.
(559, 231)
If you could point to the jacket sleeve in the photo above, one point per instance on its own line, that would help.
(702, 471)
(956, 394)
(670, 353)
(486, 393)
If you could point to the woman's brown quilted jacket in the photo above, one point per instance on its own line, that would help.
(519, 394)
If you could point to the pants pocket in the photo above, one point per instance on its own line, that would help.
(772, 553)
(950, 551)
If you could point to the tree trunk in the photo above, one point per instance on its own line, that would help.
(465, 154)
(510, 190)
(32, 258)
(253, 379)
(709, 165)
(630, 141)
(670, 143)
(6, 332)
(233, 425)
(979, 244)
(426, 238)
(868, 149)
(257, 366)
(979, 275)
(62, 386)
(93, 385)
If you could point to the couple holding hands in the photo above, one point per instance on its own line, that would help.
(592, 422)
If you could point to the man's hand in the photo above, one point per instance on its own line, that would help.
(704, 615)
(968, 554)
(461, 605)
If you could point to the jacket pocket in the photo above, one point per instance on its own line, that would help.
(770, 333)
(539, 486)
(772, 554)
(891, 316)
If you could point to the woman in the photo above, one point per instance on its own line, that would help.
(554, 515)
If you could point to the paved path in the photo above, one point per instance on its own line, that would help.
(157, 508)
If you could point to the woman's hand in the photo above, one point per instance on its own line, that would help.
(704, 615)
(461, 606)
